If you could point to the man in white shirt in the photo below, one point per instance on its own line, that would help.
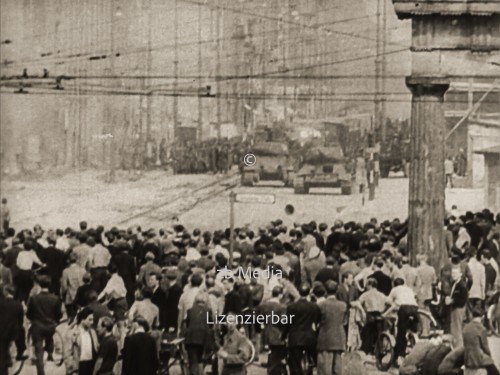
(98, 263)
(403, 300)
(478, 288)
(24, 278)
(61, 241)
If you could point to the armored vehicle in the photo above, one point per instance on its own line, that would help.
(323, 166)
(272, 162)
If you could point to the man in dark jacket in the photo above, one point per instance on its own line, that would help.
(44, 312)
(332, 333)
(11, 324)
(140, 355)
(174, 293)
(303, 317)
(272, 332)
(199, 337)
(384, 282)
(330, 272)
(56, 261)
(159, 298)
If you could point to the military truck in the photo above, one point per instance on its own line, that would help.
(323, 166)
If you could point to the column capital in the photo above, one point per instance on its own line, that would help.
(427, 86)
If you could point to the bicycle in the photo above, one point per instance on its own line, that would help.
(210, 358)
(386, 339)
(172, 351)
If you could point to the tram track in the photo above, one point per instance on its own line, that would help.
(171, 209)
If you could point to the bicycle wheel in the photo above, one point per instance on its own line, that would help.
(384, 352)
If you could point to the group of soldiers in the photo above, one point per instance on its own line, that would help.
(184, 157)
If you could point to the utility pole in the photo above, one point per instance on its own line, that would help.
(380, 70)
(147, 82)
(284, 12)
(217, 69)
(200, 104)
(110, 119)
(176, 68)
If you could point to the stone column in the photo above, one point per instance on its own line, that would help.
(427, 179)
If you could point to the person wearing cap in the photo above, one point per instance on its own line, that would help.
(44, 312)
(301, 330)
(147, 269)
(477, 353)
(71, 280)
(332, 336)
(271, 333)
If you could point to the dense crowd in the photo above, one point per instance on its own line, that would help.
(207, 156)
(124, 290)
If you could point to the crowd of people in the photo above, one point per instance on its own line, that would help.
(124, 290)
(185, 157)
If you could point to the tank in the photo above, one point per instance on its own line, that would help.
(323, 166)
(273, 163)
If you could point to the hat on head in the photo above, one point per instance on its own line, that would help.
(150, 256)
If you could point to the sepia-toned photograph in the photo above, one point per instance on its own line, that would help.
(250, 187)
